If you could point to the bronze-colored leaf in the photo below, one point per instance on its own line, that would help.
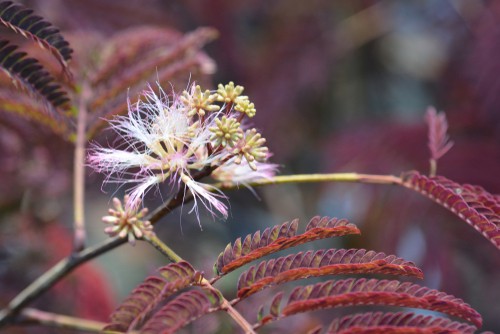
(278, 238)
(377, 292)
(321, 263)
(19, 103)
(182, 310)
(473, 204)
(175, 60)
(149, 294)
(400, 322)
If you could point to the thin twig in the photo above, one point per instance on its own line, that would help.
(432, 167)
(162, 248)
(30, 316)
(79, 173)
(54, 275)
(68, 264)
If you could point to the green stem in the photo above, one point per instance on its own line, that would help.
(162, 248)
(308, 178)
(31, 316)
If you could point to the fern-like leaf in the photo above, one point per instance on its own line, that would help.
(22, 21)
(126, 48)
(149, 294)
(29, 75)
(400, 322)
(182, 310)
(376, 292)
(473, 204)
(113, 81)
(19, 103)
(278, 238)
(320, 263)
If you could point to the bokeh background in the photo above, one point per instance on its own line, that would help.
(339, 86)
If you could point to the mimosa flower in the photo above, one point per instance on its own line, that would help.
(168, 139)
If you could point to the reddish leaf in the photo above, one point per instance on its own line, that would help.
(161, 62)
(274, 309)
(376, 292)
(400, 322)
(473, 204)
(397, 330)
(182, 310)
(321, 263)
(278, 238)
(21, 104)
(439, 142)
(149, 294)
(163, 47)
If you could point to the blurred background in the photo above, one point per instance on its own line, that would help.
(339, 86)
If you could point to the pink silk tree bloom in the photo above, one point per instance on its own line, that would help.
(162, 143)
(179, 139)
(243, 174)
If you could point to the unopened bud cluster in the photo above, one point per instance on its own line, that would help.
(126, 221)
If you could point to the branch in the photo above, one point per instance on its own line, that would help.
(33, 316)
(54, 275)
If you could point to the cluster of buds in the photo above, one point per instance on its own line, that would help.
(126, 221)
(177, 139)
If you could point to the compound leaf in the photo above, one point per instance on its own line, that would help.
(473, 204)
(24, 22)
(278, 238)
(400, 322)
(150, 293)
(376, 292)
(29, 76)
(146, 59)
(182, 310)
(320, 263)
